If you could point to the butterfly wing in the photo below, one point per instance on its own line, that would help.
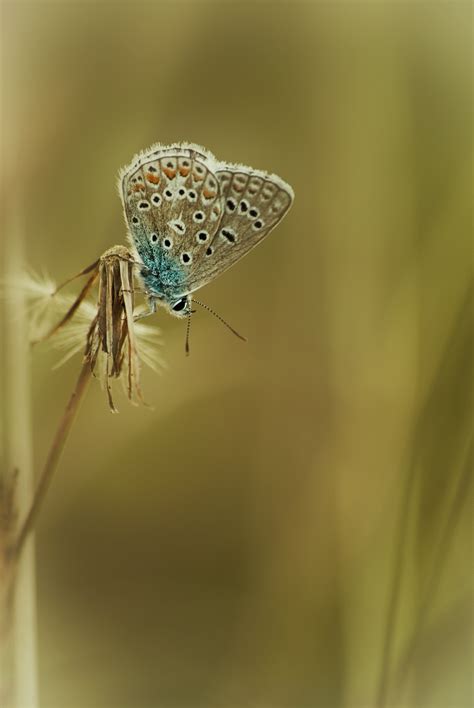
(253, 203)
(172, 207)
(191, 217)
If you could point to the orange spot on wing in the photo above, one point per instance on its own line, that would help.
(197, 177)
(171, 174)
(184, 171)
(136, 188)
(154, 179)
(207, 194)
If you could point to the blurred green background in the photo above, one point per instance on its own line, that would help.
(236, 546)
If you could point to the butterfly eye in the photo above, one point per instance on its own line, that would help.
(257, 225)
(154, 238)
(180, 305)
(156, 199)
(167, 243)
(192, 196)
(198, 216)
(135, 220)
(143, 205)
(186, 258)
(168, 194)
(243, 206)
(202, 236)
(253, 213)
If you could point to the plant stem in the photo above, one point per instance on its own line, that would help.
(446, 537)
(54, 455)
(18, 652)
(394, 601)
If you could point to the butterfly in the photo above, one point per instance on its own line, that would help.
(190, 217)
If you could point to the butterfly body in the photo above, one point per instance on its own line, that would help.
(190, 217)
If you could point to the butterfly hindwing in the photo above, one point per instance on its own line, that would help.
(253, 204)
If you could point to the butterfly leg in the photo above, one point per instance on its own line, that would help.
(150, 311)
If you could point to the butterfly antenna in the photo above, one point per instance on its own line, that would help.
(221, 319)
(188, 329)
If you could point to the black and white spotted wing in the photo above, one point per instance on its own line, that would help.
(172, 204)
(253, 203)
(192, 217)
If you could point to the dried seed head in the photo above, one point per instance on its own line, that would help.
(112, 331)
(106, 332)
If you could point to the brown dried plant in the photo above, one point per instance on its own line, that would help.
(112, 341)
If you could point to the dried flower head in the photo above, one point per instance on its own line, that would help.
(113, 342)
(112, 330)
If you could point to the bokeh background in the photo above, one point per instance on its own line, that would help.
(241, 544)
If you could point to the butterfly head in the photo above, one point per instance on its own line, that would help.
(177, 306)
(180, 307)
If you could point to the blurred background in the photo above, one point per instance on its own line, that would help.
(245, 542)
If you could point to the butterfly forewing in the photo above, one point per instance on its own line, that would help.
(173, 206)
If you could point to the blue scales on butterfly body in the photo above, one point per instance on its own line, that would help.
(190, 217)
(162, 275)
